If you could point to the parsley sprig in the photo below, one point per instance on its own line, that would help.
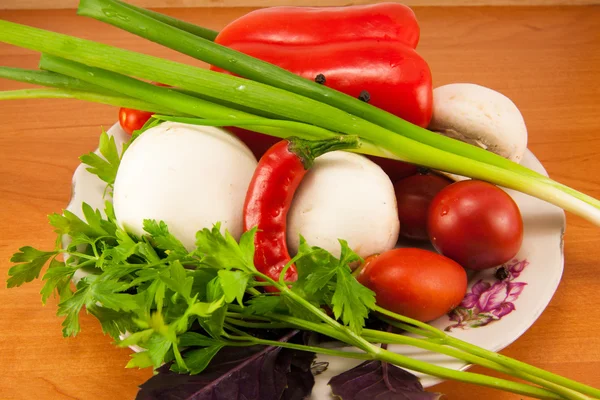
(181, 307)
(154, 289)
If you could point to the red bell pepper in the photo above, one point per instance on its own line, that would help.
(310, 26)
(359, 49)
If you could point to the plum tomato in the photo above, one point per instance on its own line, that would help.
(413, 196)
(476, 224)
(132, 120)
(416, 283)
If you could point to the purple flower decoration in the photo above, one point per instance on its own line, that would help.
(487, 302)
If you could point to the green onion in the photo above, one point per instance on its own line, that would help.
(45, 78)
(184, 26)
(257, 96)
(119, 101)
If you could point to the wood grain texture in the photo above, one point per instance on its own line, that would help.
(546, 59)
(62, 4)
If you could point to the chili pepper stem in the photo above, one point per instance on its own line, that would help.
(308, 150)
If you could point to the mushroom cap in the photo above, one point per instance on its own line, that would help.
(188, 176)
(344, 196)
(480, 116)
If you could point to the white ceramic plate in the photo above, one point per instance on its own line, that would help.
(494, 313)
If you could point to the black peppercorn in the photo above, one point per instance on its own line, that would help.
(320, 79)
(364, 96)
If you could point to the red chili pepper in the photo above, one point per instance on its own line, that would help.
(270, 194)
(358, 49)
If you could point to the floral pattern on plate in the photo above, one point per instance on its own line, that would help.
(490, 301)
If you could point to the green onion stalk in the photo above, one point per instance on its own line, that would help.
(216, 89)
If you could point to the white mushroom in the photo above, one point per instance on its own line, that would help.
(344, 196)
(480, 116)
(188, 176)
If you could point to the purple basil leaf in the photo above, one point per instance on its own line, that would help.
(245, 373)
(300, 379)
(371, 381)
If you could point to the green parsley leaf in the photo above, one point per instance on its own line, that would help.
(71, 224)
(213, 325)
(31, 262)
(126, 246)
(348, 256)
(162, 238)
(324, 268)
(178, 281)
(137, 338)
(300, 312)
(140, 360)
(222, 251)
(234, 285)
(109, 210)
(351, 301)
(107, 293)
(156, 347)
(96, 222)
(71, 307)
(57, 277)
(247, 244)
(214, 289)
(197, 360)
(262, 305)
(105, 167)
(146, 250)
(189, 339)
(200, 287)
(113, 323)
(203, 309)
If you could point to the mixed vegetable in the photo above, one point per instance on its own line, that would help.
(212, 292)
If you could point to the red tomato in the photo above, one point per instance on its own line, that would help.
(132, 120)
(414, 195)
(476, 224)
(416, 283)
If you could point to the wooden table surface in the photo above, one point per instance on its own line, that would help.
(546, 59)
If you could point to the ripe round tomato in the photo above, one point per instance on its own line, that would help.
(413, 196)
(417, 283)
(476, 224)
(132, 120)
